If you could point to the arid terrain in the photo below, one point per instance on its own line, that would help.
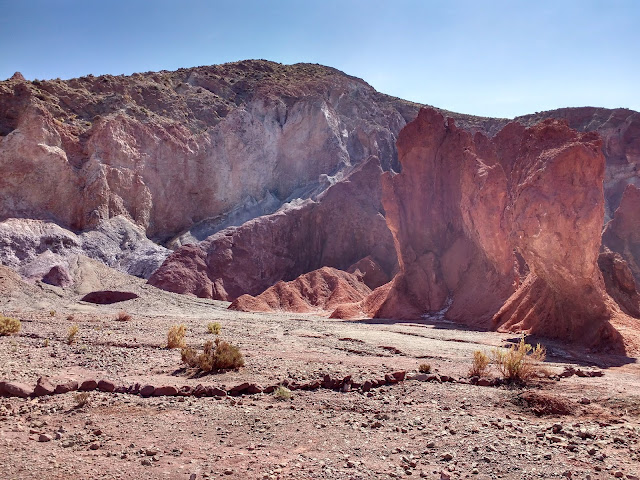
(418, 428)
(358, 249)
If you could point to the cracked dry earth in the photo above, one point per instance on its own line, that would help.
(412, 429)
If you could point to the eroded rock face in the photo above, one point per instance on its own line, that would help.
(462, 206)
(445, 211)
(622, 233)
(319, 290)
(34, 247)
(344, 225)
(619, 282)
(212, 146)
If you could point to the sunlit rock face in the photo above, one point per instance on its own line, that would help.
(466, 209)
(208, 146)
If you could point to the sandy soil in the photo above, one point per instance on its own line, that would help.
(415, 428)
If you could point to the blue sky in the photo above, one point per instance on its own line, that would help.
(493, 57)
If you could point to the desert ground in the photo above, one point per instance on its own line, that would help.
(435, 426)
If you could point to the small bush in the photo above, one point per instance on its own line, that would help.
(480, 366)
(519, 362)
(175, 336)
(282, 393)
(9, 325)
(220, 355)
(424, 368)
(71, 334)
(123, 316)
(82, 399)
(46, 342)
(214, 327)
(52, 313)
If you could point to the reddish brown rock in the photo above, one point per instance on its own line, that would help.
(622, 233)
(370, 272)
(44, 387)
(165, 391)
(16, 389)
(58, 276)
(106, 386)
(343, 226)
(463, 205)
(88, 385)
(321, 289)
(66, 387)
(105, 297)
(445, 212)
(619, 282)
(147, 391)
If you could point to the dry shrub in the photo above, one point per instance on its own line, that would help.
(214, 328)
(71, 334)
(123, 316)
(9, 325)
(519, 362)
(543, 403)
(480, 366)
(82, 399)
(220, 355)
(424, 368)
(282, 393)
(175, 336)
(52, 313)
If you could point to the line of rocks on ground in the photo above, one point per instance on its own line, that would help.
(44, 386)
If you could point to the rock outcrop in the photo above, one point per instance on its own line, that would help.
(344, 225)
(622, 233)
(208, 146)
(318, 291)
(463, 205)
(35, 247)
(619, 282)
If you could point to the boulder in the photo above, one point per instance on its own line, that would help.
(16, 389)
(58, 276)
(44, 387)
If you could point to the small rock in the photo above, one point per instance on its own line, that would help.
(16, 389)
(88, 385)
(146, 462)
(147, 391)
(43, 387)
(66, 387)
(94, 446)
(44, 438)
(165, 391)
(447, 456)
(106, 386)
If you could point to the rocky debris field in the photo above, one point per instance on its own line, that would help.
(564, 424)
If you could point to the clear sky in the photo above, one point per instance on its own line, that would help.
(484, 57)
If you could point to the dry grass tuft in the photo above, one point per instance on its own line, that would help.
(123, 316)
(424, 368)
(480, 366)
(82, 399)
(214, 328)
(52, 313)
(282, 393)
(9, 325)
(220, 355)
(71, 334)
(519, 362)
(175, 336)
